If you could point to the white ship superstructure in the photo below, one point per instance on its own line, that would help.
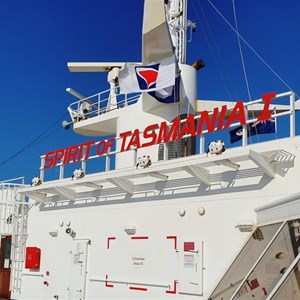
(142, 211)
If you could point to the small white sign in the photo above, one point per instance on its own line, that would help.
(138, 261)
(76, 258)
(189, 261)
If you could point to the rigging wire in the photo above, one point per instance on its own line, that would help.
(241, 51)
(251, 48)
(243, 64)
(35, 141)
(220, 66)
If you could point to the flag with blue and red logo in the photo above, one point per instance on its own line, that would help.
(134, 78)
(169, 94)
(147, 76)
(258, 127)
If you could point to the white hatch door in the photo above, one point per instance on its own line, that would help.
(78, 263)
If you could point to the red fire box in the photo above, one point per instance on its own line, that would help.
(33, 258)
(187, 246)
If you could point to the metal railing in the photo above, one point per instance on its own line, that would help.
(100, 103)
(274, 115)
(110, 154)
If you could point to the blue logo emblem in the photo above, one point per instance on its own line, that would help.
(147, 76)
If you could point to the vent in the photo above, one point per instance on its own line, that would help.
(181, 148)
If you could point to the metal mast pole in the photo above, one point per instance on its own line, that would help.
(177, 20)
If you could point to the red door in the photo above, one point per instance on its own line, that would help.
(5, 261)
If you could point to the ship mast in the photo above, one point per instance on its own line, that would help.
(165, 28)
(177, 20)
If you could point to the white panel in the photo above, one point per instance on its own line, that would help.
(138, 262)
(78, 260)
(190, 269)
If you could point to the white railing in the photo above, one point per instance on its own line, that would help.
(8, 200)
(100, 103)
(107, 157)
(275, 115)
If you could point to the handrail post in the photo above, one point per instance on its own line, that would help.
(135, 156)
(166, 151)
(83, 161)
(202, 144)
(245, 127)
(78, 106)
(107, 162)
(99, 98)
(42, 170)
(292, 115)
(83, 166)
(61, 171)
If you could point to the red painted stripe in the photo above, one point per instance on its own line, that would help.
(174, 237)
(108, 241)
(106, 284)
(174, 289)
(265, 291)
(139, 237)
(137, 288)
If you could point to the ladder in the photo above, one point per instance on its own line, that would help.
(20, 219)
(13, 222)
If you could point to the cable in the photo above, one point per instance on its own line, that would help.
(251, 48)
(243, 65)
(216, 54)
(35, 141)
(241, 52)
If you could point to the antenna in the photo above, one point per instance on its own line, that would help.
(74, 93)
(65, 124)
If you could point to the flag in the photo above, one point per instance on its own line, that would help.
(169, 94)
(258, 127)
(134, 78)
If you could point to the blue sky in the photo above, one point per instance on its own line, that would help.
(39, 37)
